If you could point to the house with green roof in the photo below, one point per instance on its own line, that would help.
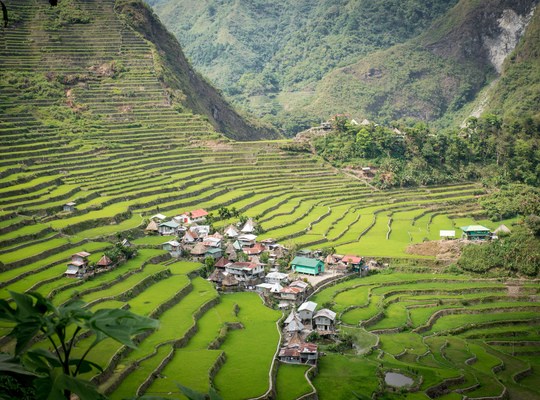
(475, 232)
(307, 265)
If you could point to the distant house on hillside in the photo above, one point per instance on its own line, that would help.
(104, 262)
(158, 218)
(276, 277)
(353, 262)
(306, 311)
(231, 232)
(324, 321)
(244, 271)
(306, 265)
(173, 247)
(501, 230)
(249, 226)
(303, 353)
(247, 240)
(70, 207)
(475, 232)
(152, 227)
(256, 249)
(295, 292)
(78, 265)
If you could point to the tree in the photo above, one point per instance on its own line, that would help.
(55, 371)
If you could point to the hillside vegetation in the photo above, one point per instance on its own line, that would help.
(90, 113)
(297, 63)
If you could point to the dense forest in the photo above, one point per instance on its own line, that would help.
(488, 148)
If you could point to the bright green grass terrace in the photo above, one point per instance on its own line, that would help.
(133, 222)
(178, 319)
(128, 387)
(32, 250)
(340, 376)
(395, 343)
(291, 382)
(449, 322)
(58, 269)
(142, 304)
(255, 345)
(126, 284)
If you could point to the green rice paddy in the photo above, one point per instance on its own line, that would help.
(126, 153)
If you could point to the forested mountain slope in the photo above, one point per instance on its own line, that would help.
(297, 62)
(269, 56)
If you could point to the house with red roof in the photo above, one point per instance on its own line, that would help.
(302, 353)
(353, 262)
(189, 217)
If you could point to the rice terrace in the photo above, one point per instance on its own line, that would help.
(115, 193)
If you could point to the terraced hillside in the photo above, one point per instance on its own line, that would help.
(86, 118)
(455, 336)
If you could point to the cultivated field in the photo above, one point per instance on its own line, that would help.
(85, 118)
(454, 335)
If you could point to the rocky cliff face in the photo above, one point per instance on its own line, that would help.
(484, 34)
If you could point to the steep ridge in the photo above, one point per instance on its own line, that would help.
(516, 93)
(178, 75)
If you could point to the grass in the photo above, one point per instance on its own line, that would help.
(290, 382)
(252, 346)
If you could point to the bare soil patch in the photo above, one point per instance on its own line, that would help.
(444, 250)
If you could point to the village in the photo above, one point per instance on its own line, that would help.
(234, 260)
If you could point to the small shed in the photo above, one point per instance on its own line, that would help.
(152, 227)
(231, 231)
(502, 230)
(104, 262)
(249, 226)
(447, 234)
(306, 265)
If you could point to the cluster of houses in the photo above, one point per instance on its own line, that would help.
(79, 266)
(298, 326)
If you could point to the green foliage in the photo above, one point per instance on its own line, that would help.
(259, 50)
(518, 253)
(67, 12)
(56, 370)
(486, 147)
(512, 200)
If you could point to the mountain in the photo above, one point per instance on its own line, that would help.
(269, 56)
(295, 63)
(434, 75)
(176, 73)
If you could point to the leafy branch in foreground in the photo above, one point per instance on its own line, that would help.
(56, 370)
